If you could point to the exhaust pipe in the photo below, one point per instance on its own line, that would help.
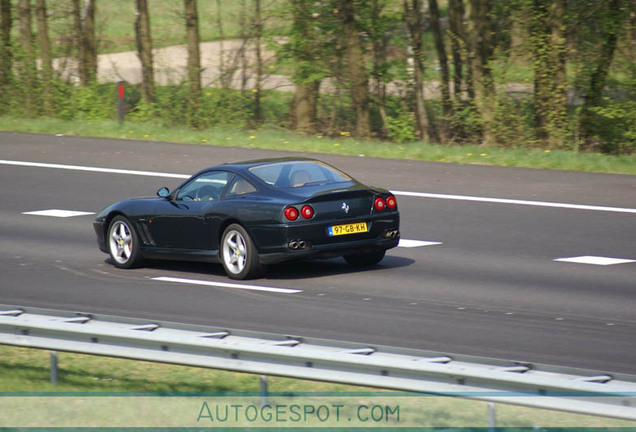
(298, 244)
(392, 234)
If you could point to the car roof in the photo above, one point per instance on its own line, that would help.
(257, 162)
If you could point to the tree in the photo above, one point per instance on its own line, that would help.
(27, 63)
(90, 41)
(6, 55)
(357, 74)
(443, 64)
(45, 56)
(549, 63)
(611, 23)
(79, 41)
(144, 51)
(380, 26)
(413, 18)
(85, 40)
(194, 59)
(303, 49)
(257, 25)
(481, 53)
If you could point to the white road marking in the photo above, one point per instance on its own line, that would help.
(595, 260)
(401, 193)
(517, 202)
(227, 285)
(93, 169)
(58, 213)
(416, 243)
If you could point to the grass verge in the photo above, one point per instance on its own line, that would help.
(284, 140)
(28, 370)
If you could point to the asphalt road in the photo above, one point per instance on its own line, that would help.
(491, 287)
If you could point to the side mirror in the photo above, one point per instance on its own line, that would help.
(164, 192)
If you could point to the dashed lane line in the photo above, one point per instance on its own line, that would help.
(58, 213)
(227, 285)
(595, 260)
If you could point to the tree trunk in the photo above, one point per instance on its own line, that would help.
(550, 72)
(6, 56)
(482, 51)
(194, 60)
(79, 42)
(46, 57)
(144, 51)
(457, 43)
(379, 40)
(358, 77)
(245, 37)
(27, 67)
(304, 107)
(224, 80)
(601, 69)
(413, 18)
(258, 35)
(443, 64)
(90, 41)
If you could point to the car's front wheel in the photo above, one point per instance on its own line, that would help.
(123, 243)
(365, 259)
(238, 253)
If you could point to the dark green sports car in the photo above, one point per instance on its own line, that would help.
(246, 215)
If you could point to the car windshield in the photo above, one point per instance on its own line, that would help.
(294, 174)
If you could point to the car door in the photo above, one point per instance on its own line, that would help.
(182, 221)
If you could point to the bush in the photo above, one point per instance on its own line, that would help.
(614, 125)
(401, 127)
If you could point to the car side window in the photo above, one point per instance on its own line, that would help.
(240, 186)
(205, 187)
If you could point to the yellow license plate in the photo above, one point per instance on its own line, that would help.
(353, 228)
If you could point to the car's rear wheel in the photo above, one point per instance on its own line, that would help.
(238, 253)
(365, 259)
(123, 243)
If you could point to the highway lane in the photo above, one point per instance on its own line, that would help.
(492, 288)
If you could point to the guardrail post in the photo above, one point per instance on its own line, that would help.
(54, 368)
(263, 381)
(492, 417)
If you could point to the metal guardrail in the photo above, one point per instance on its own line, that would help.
(533, 385)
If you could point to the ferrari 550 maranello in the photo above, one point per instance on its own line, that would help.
(247, 215)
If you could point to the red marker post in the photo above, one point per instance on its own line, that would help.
(121, 92)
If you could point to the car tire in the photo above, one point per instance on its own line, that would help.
(238, 253)
(123, 243)
(365, 259)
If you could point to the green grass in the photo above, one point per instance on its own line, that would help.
(343, 145)
(28, 370)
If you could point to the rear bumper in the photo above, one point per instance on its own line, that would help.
(273, 242)
(329, 251)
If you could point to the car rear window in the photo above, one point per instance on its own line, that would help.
(295, 174)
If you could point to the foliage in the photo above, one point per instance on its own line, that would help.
(615, 126)
(401, 127)
(311, 46)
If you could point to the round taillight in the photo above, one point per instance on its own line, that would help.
(379, 204)
(391, 202)
(307, 212)
(291, 213)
